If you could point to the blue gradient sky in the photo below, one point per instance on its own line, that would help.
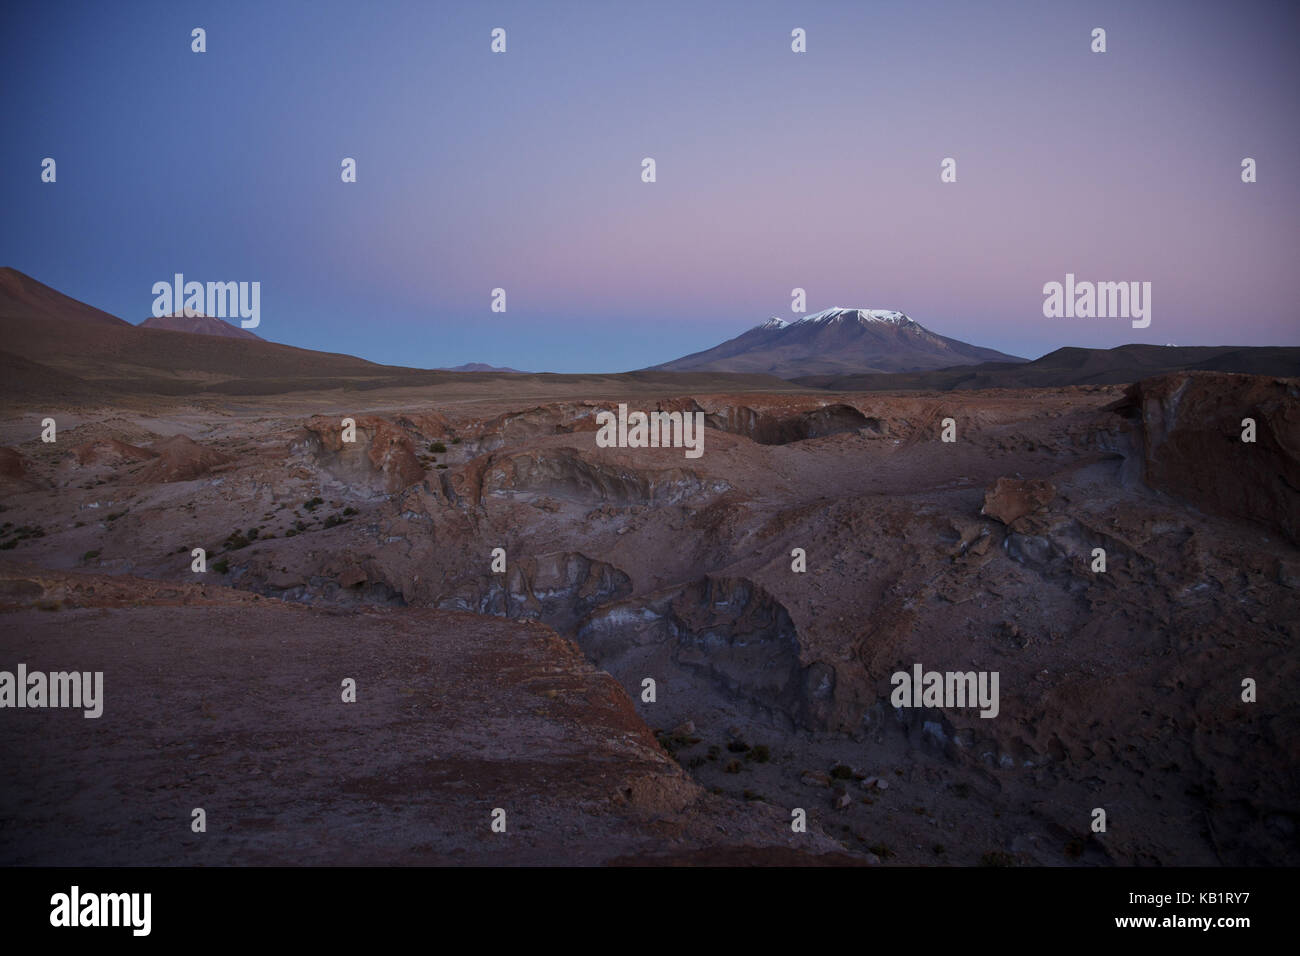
(775, 170)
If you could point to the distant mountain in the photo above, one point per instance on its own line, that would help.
(1079, 366)
(56, 349)
(480, 367)
(198, 324)
(53, 346)
(837, 341)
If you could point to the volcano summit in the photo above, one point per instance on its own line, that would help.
(835, 340)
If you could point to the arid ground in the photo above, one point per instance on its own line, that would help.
(522, 690)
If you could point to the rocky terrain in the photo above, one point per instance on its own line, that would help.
(480, 566)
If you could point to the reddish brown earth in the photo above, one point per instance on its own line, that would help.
(223, 700)
(1191, 429)
(1120, 689)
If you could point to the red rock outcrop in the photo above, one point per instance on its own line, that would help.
(110, 451)
(1010, 499)
(1192, 431)
(13, 472)
(180, 458)
(383, 453)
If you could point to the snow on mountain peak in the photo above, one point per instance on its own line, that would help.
(774, 323)
(860, 315)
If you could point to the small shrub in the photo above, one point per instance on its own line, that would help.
(90, 555)
(311, 504)
(733, 766)
(349, 510)
(759, 754)
(437, 447)
(221, 567)
(738, 746)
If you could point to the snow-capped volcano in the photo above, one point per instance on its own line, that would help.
(861, 315)
(837, 341)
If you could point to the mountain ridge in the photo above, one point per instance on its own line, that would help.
(1076, 366)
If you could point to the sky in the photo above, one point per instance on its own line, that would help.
(774, 169)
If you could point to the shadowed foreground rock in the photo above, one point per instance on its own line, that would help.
(222, 700)
(1192, 423)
